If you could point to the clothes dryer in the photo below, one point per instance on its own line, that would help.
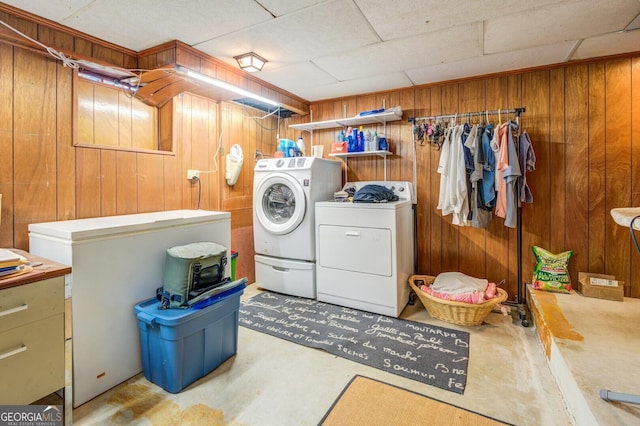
(365, 251)
(285, 191)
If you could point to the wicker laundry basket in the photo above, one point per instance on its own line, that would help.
(454, 312)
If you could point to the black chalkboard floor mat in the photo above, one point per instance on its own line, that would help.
(430, 354)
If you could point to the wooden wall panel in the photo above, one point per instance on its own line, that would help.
(87, 182)
(435, 237)
(126, 182)
(127, 123)
(109, 117)
(576, 182)
(635, 167)
(557, 162)
(108, 182)
(106, 119)
(617, 164)
(65, 153)
(34, 137)
(144, 124)
(405, 138)
(597, 147)
(149, 171)
(423, 180)
(85, 113)
(536, 218)
(214, 158)
(6, 146)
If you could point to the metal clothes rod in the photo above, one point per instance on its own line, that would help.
(516, 111)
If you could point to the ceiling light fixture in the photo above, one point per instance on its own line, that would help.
(250, 62)
(226, 86)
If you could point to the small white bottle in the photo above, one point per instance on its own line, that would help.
(301, 146)
(367, 140)
(374, 141)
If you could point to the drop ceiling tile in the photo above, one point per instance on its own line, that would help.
(448, 45)
(319, 30)
(54, 10)
(490, 64)
(405, 18)
(142, 24)
(608, 44)
(283, 7)
(354, 87)
(557, 23)
(296, 76)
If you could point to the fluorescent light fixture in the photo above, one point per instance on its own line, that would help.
(109, 81)
(250, 62)
(226, 86)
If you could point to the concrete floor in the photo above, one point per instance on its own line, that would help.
(591, 344)
(274, 382)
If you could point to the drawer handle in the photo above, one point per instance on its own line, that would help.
(277, 268)
(352, 234)
(13, 352)
(14, 310)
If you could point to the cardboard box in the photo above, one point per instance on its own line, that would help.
(600, 286)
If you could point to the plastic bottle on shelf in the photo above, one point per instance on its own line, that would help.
(374, 142)
(350, 140)
(301, 146)
(384, 145)
(367, 140)
(291, 149)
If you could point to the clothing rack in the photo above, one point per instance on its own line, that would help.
(520, 302)
(516, 111)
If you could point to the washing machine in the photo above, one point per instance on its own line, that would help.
(365, 251)
(285, 191)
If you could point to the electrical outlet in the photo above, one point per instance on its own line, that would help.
(193, 174)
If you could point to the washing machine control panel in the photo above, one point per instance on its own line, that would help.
(288, 163)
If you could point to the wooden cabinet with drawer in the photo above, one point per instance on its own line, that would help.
(32, 352)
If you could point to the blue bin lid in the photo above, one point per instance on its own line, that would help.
(149, 310)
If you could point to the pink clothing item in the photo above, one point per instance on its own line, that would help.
(502, 162)
(475, 297)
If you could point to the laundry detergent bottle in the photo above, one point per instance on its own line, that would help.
(301, 146)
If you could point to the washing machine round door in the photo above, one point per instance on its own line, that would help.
(280, 203)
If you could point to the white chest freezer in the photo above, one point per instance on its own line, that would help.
(116, 261)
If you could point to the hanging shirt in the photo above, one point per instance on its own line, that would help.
(527, 159)
(488, 193)
(508, 166)
(498, 145)
(443, 170)
(458, 179)
(453, 187)
(480, 216)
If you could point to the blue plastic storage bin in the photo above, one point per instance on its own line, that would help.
(179, 346)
